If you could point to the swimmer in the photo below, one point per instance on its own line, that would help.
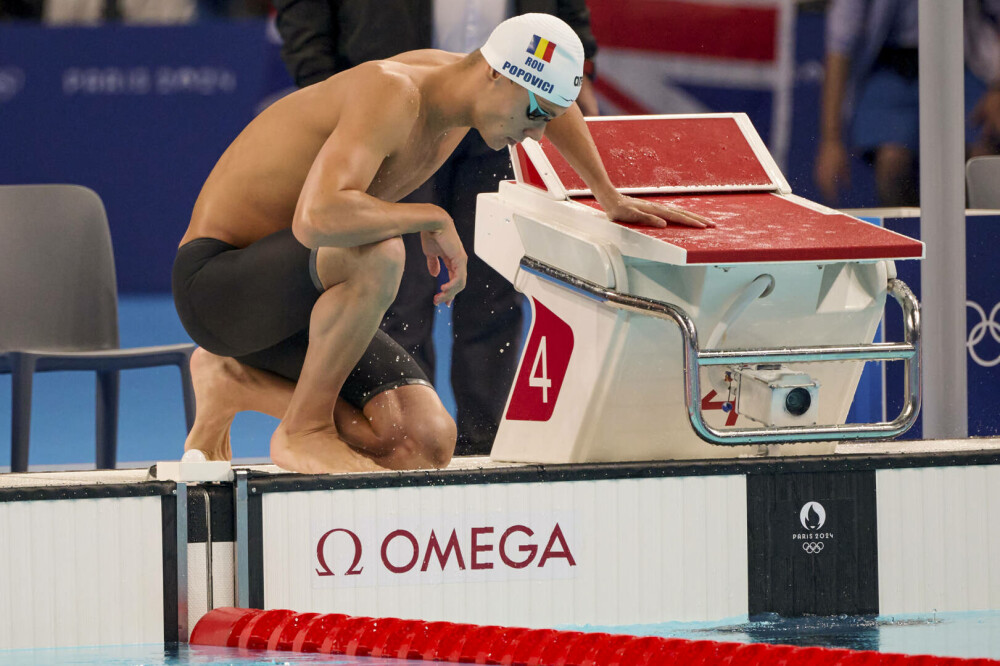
(294, 249)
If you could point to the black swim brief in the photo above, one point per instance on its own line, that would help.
(253, 304)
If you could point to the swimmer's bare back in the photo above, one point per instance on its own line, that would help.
(254, 188)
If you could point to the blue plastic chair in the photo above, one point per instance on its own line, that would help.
(59, 308)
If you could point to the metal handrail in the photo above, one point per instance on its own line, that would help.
(694, 358)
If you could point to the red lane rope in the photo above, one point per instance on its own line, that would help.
(511, 646)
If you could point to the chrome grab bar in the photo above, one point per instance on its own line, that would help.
(694, 359)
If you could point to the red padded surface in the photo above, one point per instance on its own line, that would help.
(529, 174)
(669, 152)
(469, 643)
(761, 227)
(223, 627)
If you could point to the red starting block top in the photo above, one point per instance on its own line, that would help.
(757, 227)
(715, 165)
(662, 155)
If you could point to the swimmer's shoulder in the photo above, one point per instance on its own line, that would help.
(377, 94)
(383, 79)
(409, 65)
(391, 87)
(427, 57)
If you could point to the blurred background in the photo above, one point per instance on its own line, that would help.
(137, 99)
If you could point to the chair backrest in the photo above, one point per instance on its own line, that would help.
(982, 181)
(57, 275)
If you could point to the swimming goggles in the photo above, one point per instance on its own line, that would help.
(536, 112)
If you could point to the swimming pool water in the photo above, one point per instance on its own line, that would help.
(152, 655)
(967, 634)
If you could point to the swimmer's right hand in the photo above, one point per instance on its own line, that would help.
(444, 245)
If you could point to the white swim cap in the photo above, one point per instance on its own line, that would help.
(541, 53)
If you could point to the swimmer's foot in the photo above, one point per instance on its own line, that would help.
(317, 451)
(219, 385)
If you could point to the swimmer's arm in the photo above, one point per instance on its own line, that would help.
(334, 208)
(569, 134)
(351, 218)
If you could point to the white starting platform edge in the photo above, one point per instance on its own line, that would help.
(599, 505)
(203, 471)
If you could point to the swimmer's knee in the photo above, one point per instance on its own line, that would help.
(375, 269)
(382, 269)
(432, 438)
(390, 257)
(442, 439)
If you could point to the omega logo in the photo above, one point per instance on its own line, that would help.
(352, 570)
(478, 551)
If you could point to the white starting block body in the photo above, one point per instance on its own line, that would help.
(597, 382)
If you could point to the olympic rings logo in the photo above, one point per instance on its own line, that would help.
(812, 547)
(978, 332)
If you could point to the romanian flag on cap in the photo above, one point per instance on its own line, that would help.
(541, 48)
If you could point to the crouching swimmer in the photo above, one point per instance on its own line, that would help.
(293, 253)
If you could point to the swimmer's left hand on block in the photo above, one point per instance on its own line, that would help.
(294, 250)
(569, 134)
(653, 214)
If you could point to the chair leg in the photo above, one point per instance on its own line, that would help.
(188, 389)
(107, 418)
(22, 374)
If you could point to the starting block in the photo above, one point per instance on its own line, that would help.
(646, 343)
